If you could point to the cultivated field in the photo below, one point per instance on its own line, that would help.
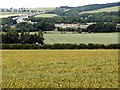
(109, 9)
(60, 69)
(46, 15)
(101, 38)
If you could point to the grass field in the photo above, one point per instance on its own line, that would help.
(42, 9)
(8, 14)
(101, 38)
(60, 69)
(46, 15)
(110, 9)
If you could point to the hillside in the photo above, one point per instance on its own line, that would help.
(108, 9)
(93, 7)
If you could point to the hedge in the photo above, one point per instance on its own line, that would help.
(60, 46)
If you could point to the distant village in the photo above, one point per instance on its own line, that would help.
(23, 10)
(24, 16)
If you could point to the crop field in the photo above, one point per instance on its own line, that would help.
(101, 38)
(110, 9)
(60, 69)
(46, 15)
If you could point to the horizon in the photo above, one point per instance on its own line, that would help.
(48, 4)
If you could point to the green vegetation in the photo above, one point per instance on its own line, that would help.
(46, 15)
(59, 46)
(103, 27)
(60, 69)
(13, 37)
(25, 26)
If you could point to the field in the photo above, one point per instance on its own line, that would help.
(60, 68)
(42, 9)
(46, 15)
(110, 9)
(101, 38)
(8, 14)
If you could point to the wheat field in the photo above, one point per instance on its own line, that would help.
(60, 68)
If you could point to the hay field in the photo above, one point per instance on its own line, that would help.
(60, 69)
(109, 9)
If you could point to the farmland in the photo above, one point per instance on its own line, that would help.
(108, 9)
(101, 38)
(46, 15)
(60, 69)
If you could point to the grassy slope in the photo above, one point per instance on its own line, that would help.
(109, 9)
(60, 69)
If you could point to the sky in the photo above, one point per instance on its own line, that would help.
(49, 3)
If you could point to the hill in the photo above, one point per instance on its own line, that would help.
(108, 9)
(94, 7)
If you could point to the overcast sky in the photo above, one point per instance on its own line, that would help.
(49, 3)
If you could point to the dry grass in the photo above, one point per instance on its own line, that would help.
(60, 69)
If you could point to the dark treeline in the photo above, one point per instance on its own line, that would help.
(63, 30)
(95, 28)
(13, 37)
(45, 25)
(60, 46)
(103, 27)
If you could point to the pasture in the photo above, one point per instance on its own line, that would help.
(60, 68)
(46, 15)
(96, 38)
(109, 9)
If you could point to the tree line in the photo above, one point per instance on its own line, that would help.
(60, 46)
(103, 27)
(13, 37)
(8, 24)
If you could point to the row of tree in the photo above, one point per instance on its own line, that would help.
(13, 37)
(60, 46)
(103, 27)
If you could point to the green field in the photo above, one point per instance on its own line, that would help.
(42, 9)
(8, 14)
(46, 15)
(110, 9)
(60, 69)
(99, 38)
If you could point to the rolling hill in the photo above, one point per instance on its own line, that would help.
(108, 9)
